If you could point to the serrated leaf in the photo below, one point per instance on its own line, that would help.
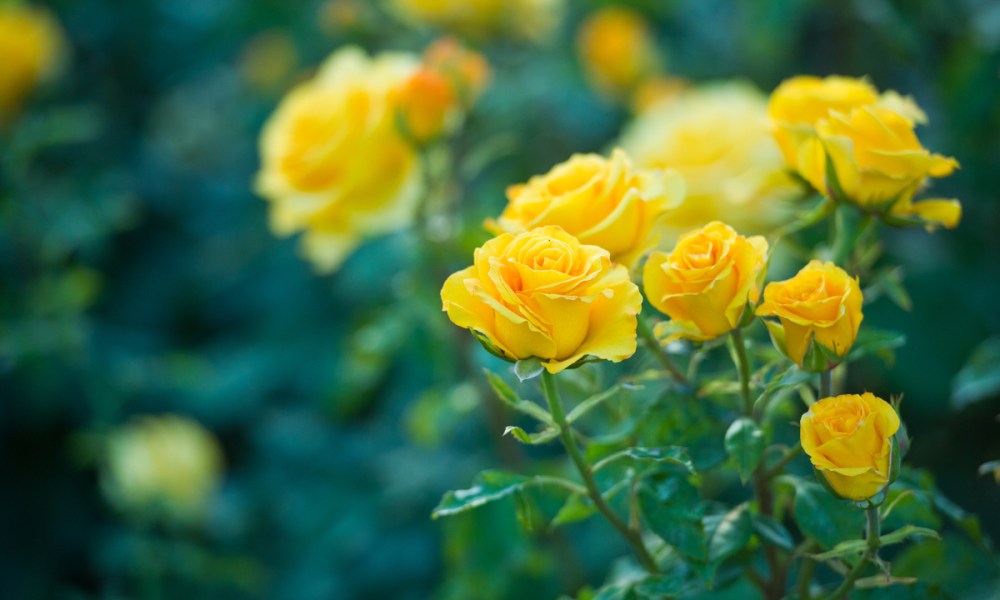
(673, 510)
(726, 534)
(528, 368)
(511, 399)
(576, 508)
(487, 486)
(771, 531)
(791, 377)
(587, 405)
(826, 519)
(850, 547)
(546, 435)
(745, 445)
(875, 341)
(677, 455)
(907, 531)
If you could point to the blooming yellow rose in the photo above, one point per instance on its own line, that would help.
(602, 201)
(705, 283)
(880, 164)
(799, 103)
(617, 49)
(30, 43)
(718, 138)
(849, 440)
(334, 163)
(165, 463)
(822, 303)
(530, 19)
(542, 293)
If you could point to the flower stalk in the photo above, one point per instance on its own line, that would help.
(632, 536)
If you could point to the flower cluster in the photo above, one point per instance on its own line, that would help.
(856, 145)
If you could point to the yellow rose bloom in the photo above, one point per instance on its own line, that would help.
(717, 137)
(165, 463)
(542, 293)
(705, 283)
(617, 49)
(529, 19)
(427, 105)
(880, 164)
(822, 303)
(334, 164)
(799, 103)
(467, 70)
(602, 201)
(30, 44)
(849, 440)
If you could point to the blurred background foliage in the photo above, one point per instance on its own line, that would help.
(138, 277)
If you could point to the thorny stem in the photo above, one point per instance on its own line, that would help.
(873, 533)
(632, 536)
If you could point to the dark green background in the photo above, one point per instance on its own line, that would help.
(137, 275)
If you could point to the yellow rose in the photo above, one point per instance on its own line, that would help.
(880, 164)
(705, 283)
(822, 303)
(617, 49)
(542, 293)
(334, 164)
(467, 70)
(530, 19)
(849, 440)
(30, 43)
(427, 106)
(602, 201)
(717, 137)
(799, 103)
(165, 463)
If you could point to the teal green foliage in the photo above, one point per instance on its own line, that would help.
(138, 276)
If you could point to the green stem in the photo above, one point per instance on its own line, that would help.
(806, 571)
(874, 525)
(632, 536)
(743, 365)
(825, 385)
(649, 338)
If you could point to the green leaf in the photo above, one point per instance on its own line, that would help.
(487, 486)
(528, 368)
(907, 531)
(584, 407)
(677, 455)
(890, 283)
(979, 379)
(876, 341)
(511, 399)
(546, 435)
(727, 534)
(826, 519)
(991, 468)
(850, 547)
(771, 531)
(719, 387)
(882, 580)
(576, 508)
(673, 509)
(745, 445)
(791, 377)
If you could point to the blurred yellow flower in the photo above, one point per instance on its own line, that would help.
(849, 440)
(706, 282)
(164, 465)
(717, 137)
(880, 164)
(868, 137)
(542, 293)
(602, 201)
(426, 102)
(529, 19)
(799, 103)
(30, 43)
(467, 70)
(822, 303)
(334, 163)
(617, 49)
